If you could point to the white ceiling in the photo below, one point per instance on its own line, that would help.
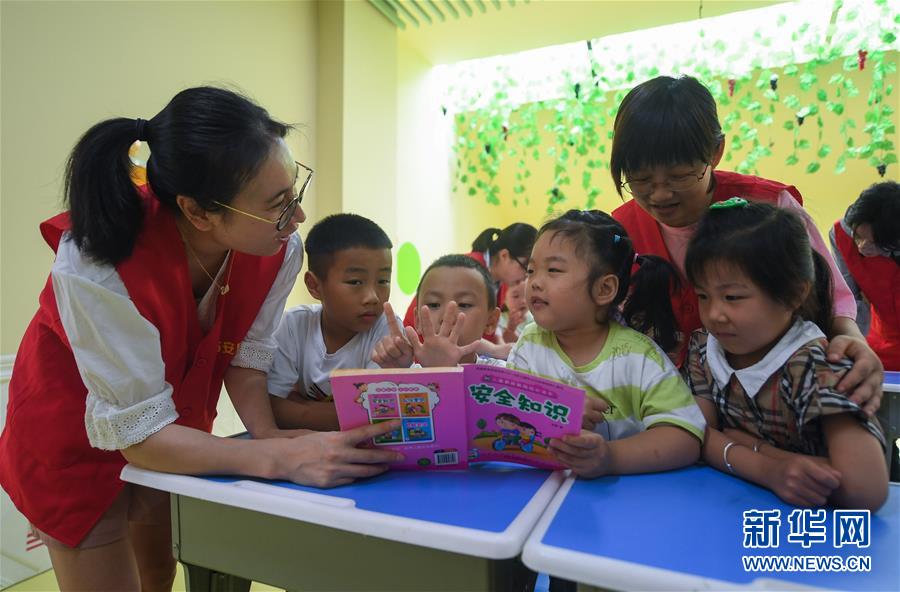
(509, 26)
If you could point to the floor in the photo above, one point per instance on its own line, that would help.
(46, 582)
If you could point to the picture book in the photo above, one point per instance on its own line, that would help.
(451, 416)
(429, 402)
(512, 415)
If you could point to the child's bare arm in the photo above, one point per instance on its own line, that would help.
(796, 478)
(658, 449)
(498, 351)
(857, 454)
(296, 412)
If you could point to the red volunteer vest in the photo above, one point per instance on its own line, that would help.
(647, 239)
(879, 280)
(48, 468)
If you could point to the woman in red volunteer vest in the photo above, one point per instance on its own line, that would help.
(159, 294)
(666, 146)
(505, 254)
(866, 246)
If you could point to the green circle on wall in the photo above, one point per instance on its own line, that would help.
(409, 268)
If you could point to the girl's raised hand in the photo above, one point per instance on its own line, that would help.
(801, 481)
(588, 454)
(594, 408)
(394, 350)
(329, 459)
(512, 324)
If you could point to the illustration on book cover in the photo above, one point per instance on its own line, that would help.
(429, 406)
(450, 416)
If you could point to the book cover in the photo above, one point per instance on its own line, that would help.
(429, 402)
(512, 416)
(450, 416)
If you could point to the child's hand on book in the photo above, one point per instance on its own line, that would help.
(587, 454)
(394, 350)
(594, 408)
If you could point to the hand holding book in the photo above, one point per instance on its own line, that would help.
(587, 454)
(594, 408)
(330, 459)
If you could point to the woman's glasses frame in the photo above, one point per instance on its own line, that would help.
(287, 212)
(681, 183)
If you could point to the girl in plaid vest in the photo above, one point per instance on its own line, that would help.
(759, 369)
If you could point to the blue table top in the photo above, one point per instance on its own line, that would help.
(892, 378)
(487, 496)
(691, 521)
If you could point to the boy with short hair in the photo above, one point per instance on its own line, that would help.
(349, 259)
(458, 307)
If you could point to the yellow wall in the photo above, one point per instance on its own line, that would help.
(362, 95)
(356, 85)
(370, 114)
(67, 65)
(330, 108)
(423, 200)
(357, 96)
(826, 194)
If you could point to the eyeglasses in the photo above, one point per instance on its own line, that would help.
(287, 212)
(675, 184)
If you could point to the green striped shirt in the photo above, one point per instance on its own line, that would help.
(637, 380)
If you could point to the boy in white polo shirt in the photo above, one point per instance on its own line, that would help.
(350, 274)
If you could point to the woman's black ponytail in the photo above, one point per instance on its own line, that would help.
(104, 205)
(205, 144)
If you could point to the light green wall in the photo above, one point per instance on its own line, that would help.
(357, 115)
(423, 198)
(67, 65)
(370, 115)
(330, 101)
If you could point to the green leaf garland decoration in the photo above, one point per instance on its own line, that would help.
(493, 131)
